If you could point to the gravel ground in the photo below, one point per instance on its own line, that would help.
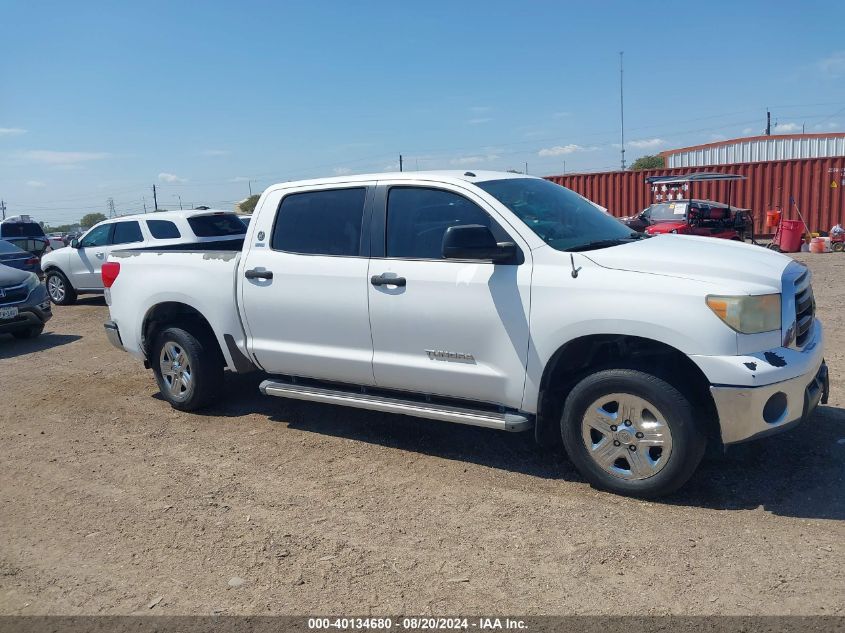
(112, 502)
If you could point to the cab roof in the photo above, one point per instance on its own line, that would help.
(447, 175)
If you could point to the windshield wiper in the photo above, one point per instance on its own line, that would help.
(600, 244)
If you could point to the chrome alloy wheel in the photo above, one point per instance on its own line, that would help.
(56, 288)
(176, 371)
(626, 436)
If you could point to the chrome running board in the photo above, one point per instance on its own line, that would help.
(505, 421)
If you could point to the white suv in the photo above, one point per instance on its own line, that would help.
(76, 270)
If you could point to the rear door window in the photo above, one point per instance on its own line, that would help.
(216, 225)
(163, 229)
(127, 233)
(326, 222)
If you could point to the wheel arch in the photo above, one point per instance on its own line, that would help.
(175, 313)
(586, 354)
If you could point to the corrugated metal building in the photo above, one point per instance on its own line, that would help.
(816, 184)
(754, 149)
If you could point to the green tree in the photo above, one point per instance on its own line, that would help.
(90, 219)
(648, 162)
(248, 205)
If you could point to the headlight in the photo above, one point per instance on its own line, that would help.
(749, 315)
(32, 282)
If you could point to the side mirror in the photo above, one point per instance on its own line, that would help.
(74, 243)
(474, 241)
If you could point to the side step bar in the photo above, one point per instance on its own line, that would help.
(491, 419)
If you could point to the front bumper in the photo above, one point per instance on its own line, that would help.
(34, 311)
(766, 392)
(747, 413)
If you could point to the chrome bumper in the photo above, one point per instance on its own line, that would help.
(747, 413)
(113, 334)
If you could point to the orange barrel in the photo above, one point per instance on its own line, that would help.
(817, 245)
(791, 235)
(772, 219)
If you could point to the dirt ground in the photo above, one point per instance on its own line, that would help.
(111, 502)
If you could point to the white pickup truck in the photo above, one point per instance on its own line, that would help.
(490, 299)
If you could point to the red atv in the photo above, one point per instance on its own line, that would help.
(674, 214)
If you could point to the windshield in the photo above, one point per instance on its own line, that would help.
(667, 211)
(560, 217)
(216, 225)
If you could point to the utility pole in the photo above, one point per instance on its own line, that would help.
(400, 162)
(526, 168)
(144, 200)
(3, 208)
(155, 199)
(768, 123)
(110, 203)
(180, 201)
(250, 189)
(564, 167)
(622, 109)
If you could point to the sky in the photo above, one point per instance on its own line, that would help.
(103, 100)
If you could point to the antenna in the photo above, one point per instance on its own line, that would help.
(622, 109)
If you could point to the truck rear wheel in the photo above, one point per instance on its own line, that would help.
(187, 367)
(631, 433)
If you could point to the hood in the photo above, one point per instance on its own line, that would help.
(12, 276)
(732, 266)
(667, 226)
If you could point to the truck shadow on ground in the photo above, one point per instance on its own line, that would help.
(11, 347)
(798, 473)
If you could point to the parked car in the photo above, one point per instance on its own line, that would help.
(490, 299)
(25, 233)
(14, 257)
(24, 305)
(73, 271)
(693, 217)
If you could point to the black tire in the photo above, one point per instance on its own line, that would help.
(203, 367)
(59, 283)
(837, 247)
(31, 332)
(688, 440)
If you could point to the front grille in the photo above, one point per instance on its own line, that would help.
(805, 308)
(12, 294)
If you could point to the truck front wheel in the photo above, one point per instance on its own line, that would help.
(187, 367)
(631, 433)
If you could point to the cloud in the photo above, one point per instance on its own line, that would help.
(747, 130)
(833, 66)
(562, 150)
(240, 179)
(787, 127)
(341, 171)
(36, 184)
(480, 109)
(11, 131)
(63, 159)
(214, 152)
(462, 161)
(165, 177)
(647, 143)
(826, 126)
(480, 120)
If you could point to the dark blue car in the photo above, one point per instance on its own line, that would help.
(11, 255)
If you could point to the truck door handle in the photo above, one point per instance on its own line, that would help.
(254, 273)
(99, 255)
(381, 280)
